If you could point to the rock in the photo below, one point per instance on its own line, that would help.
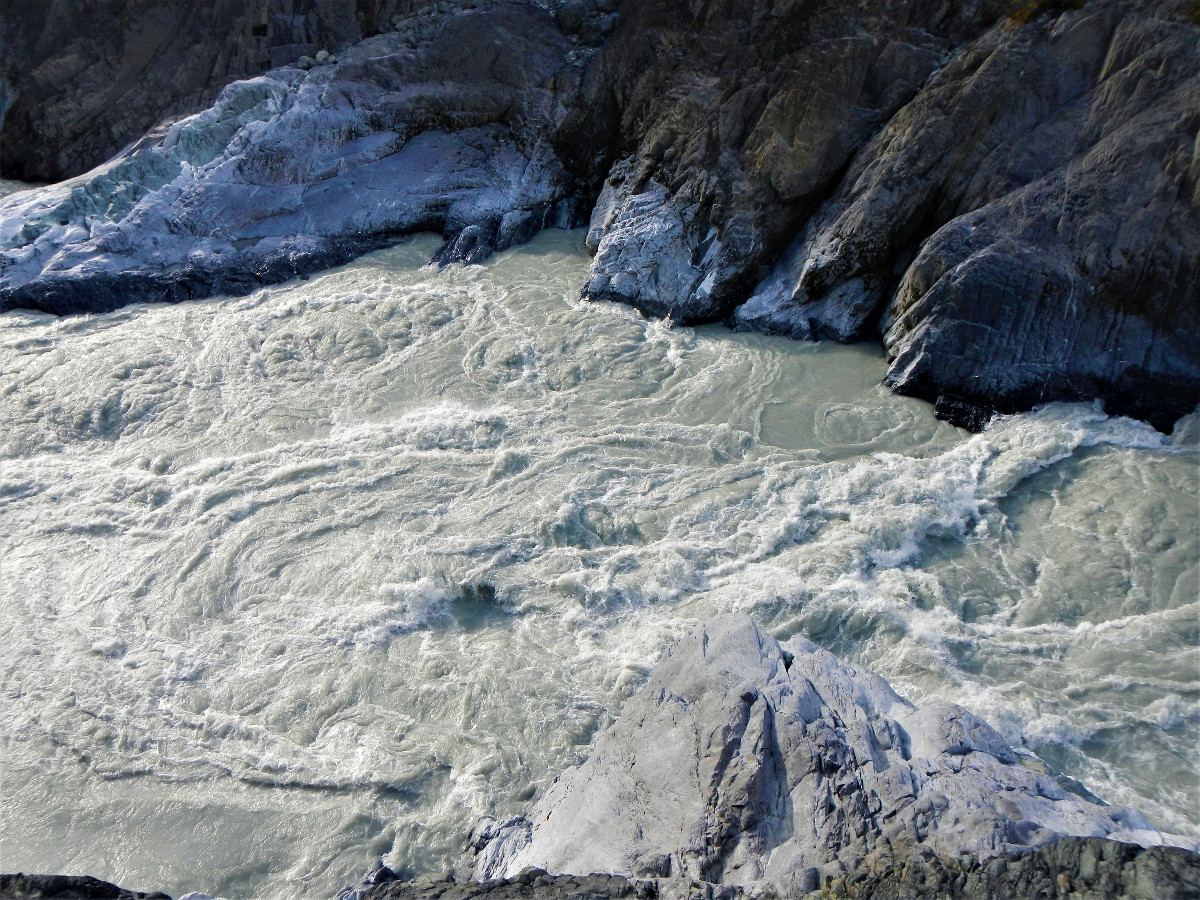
(527, 886)
(67, 887)
(1009, 200)
(737, 126)
(743, 761)
(380, 874)
(1046, 183)
(89, 78)
(1067, 869)
(292, 172)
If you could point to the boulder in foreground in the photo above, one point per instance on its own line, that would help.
(744, 761)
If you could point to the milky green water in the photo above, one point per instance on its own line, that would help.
(300, 580)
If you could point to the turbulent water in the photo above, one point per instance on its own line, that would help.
(300, 580)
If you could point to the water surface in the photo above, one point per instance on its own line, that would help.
(296, 581)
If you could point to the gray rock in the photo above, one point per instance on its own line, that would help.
(293, 172)
(1050, 173)
(1012, 205)
(89, 78)
(737, 126)
(743, 761)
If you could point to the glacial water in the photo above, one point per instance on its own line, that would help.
(300, 580)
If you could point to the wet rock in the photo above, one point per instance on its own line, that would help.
(744, 761)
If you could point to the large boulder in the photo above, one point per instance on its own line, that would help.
(450, 129)
(1047, 183)
(744, 761)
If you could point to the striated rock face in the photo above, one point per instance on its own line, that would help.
(1051, 173)
(301, 169)
(744, 761)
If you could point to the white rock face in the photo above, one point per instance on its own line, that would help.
(304, 168)
(743, 760)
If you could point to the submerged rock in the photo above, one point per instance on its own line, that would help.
(743, 761)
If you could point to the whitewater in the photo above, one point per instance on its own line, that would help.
(305, 579)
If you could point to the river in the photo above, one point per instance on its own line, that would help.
(300, 580)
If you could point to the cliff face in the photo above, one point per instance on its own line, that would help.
(87, 77)
(1011, 203)
(1013, 207)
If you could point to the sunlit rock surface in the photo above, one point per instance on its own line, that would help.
(743, 760)
(304, 168)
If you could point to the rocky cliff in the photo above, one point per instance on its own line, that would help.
(1008, 196)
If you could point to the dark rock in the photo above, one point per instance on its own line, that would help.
(734, 121)
(87, 78)
(67, 887)
(1045, 182)
(1069, 869)
(1008, 194)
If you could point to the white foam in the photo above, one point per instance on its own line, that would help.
(332, 569)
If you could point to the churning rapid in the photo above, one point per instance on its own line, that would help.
(300, 580)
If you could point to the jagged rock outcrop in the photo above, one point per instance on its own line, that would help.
(87, 78)
(67, 887)
(1051, 173)
(301, 169)
(732, 121)
(81, 79)
(743, 761)
(1044, 175)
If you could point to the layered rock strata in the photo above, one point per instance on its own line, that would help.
(743, 761)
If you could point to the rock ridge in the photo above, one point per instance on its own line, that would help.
(743, 761)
